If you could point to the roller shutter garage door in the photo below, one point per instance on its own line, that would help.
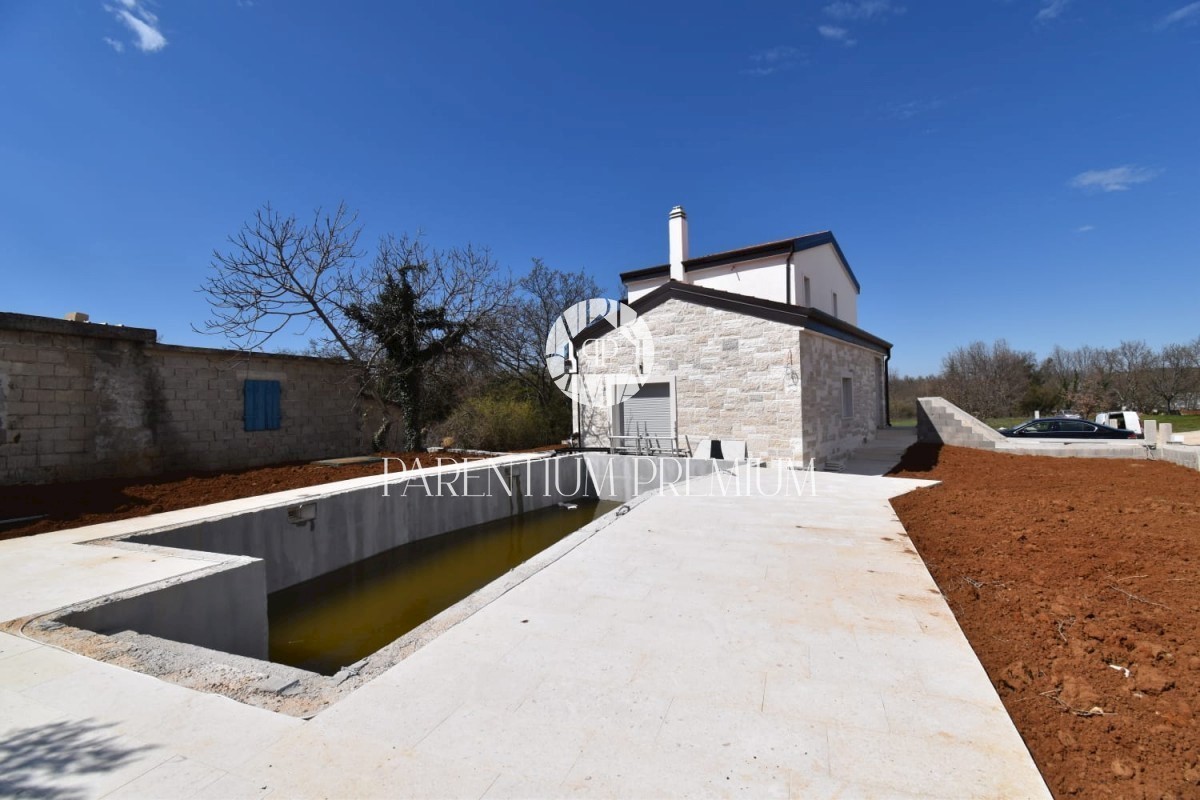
(648, 412)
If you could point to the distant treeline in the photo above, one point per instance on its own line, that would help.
(997, 381)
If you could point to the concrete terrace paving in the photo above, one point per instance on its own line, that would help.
(764, 646)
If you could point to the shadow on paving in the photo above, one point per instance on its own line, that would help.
(33, 759)
(920, 457)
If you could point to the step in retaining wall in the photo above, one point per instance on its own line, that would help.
(941, 422)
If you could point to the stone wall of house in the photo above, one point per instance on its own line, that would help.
(829, 435)
(773, 385)
(80, 400)
(735, 378)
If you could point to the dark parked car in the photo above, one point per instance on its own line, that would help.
(1065, 428)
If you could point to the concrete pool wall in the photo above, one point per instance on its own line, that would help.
(280, 544)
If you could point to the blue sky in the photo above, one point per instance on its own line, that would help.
(1024, 169)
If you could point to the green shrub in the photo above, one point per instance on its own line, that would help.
(496, 423)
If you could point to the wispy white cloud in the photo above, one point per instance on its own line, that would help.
(912, 108)
(855, 10)
(863, 9)
(114, 44)
(1187, 15)
(1051, 9)
(141, 22)
(772, 60)
(1085, 228)
(837, 34)
(1117, 179)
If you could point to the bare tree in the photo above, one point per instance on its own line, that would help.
(987, 381)
(1129, 364)
(1080, 376)
(393, 322)
(1086, 379)
(904, 390)
(1174, 374)
(545, 293)
(279, 272)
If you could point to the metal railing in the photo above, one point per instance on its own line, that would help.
(645, 444)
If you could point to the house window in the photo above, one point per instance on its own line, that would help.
(261, 409)
(847, 397)
(835, 313)
(807, 292)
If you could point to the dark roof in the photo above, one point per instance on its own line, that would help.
(808, 318)
(781, 247)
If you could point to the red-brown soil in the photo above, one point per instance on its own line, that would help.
(71, 505)
(1063, 573)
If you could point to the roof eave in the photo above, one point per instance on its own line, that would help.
(798, 316)
(794, 245)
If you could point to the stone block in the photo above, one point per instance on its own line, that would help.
(77, 360)
(1165, 429)
(40, 370)
(52, 356)
(67, 446)
(19, 355)
(19, 462)
(74, 397)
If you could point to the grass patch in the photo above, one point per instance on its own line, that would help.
(911, 422)
(1006, 422)
(1179, 422)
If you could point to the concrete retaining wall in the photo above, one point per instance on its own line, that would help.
(80, 400)
(1183, 454)
(1076, 449)
(299, 541)
(224, 609)
(941, 422)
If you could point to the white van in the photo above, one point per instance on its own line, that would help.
(1124, 420)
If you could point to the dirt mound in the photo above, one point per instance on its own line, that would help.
(71, 505)
(1077, 582)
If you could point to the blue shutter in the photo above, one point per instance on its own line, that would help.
(261, 411)
(272, 416)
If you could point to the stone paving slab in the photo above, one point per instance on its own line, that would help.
(702, 646)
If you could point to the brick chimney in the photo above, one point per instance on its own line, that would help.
(677, 230)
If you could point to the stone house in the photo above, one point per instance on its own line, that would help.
(758, 345)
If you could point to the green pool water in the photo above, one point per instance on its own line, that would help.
(338, 618)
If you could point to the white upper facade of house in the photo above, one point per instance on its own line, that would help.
(808, 271)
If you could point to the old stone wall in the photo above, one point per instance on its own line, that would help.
(739, 377)
(81, 400)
